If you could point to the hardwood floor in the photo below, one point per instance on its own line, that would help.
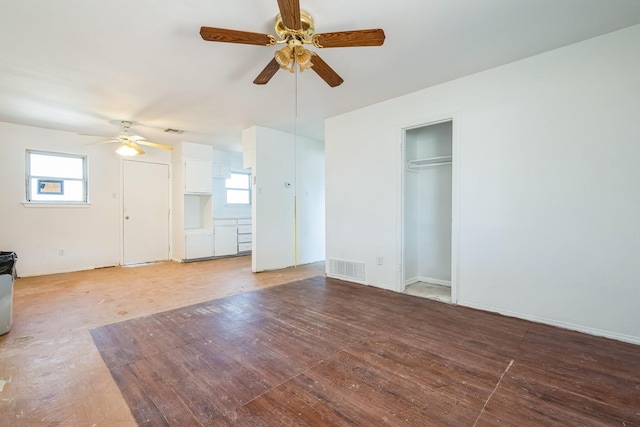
(50, 370)
(313, 351)
(322, 352)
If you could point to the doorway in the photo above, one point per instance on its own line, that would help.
(427, 206)
(145, 212)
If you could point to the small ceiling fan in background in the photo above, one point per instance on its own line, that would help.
(130, 144)
(295, 28)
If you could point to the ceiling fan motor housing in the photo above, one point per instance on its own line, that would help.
(306, 31)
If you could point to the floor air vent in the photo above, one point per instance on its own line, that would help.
(347, 269)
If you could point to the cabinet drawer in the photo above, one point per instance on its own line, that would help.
(244, 238)
(244, 221)
(244, 247)
(224, 222)
(244, 229)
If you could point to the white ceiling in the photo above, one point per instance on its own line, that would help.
(83, 65)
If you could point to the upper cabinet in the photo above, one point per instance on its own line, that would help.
(198, 176)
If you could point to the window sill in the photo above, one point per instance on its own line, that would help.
(55, 205)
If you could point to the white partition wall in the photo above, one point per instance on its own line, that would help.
(287, 198)
(548, 175)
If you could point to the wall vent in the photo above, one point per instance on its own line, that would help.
(174, 131)
(347, 269)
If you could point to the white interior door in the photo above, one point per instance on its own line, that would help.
(145, 212)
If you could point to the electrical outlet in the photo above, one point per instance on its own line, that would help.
(61, 252)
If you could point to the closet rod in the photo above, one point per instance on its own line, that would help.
(414, 166)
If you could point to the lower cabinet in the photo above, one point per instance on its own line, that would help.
(225, 237)
(230, 236)
(244, 247)
(198, 244)
(244, 235)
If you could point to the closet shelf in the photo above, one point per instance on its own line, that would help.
(431, 161)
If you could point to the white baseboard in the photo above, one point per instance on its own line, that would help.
(61, 271)
(346, 279)
(564, 325)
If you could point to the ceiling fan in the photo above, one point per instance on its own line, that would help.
(295, 28)
(130, 144)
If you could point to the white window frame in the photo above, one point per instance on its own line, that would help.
(248, 189)
(29, 177)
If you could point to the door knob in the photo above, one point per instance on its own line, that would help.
(126, 217)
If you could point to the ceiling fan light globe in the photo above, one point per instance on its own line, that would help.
(126, 150)
(305, 66)
(285, 59)
(283, 56)
(303, 58)
(302, 54)
(290, 66)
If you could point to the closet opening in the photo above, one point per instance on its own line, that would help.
(427, 211)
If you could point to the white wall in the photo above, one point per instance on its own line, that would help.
(90, 235)
(547, 152)
(281, 239)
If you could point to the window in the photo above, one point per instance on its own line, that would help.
(239, 189)
(56, 177)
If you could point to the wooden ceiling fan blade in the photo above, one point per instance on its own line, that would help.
(104, 142)
(325, 71)
(290, 13)
(136, 147)
(235, 36)
(373, 37)
(154, 145)
(136, 138)
(269, 71)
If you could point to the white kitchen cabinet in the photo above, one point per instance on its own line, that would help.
(244, 238)
(244, 235)
(198, 244)
(225, 237)
(192, 213)
(232, 236)
(244, 247)
(244, 229)
(198, 176)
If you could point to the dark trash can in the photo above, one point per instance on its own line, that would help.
(7, 277)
